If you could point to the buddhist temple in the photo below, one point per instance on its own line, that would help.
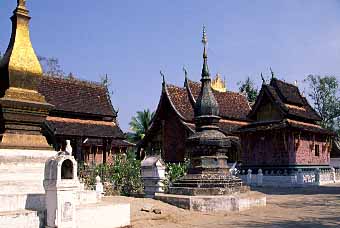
(41, 113)
(82, 113)
(174, 118)
(284, 132)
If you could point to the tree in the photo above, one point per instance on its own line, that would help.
(51, 67)
(324, 92)
(248, 87)
(140, 124)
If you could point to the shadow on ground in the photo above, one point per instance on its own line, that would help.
(312, 190)
(321, 222)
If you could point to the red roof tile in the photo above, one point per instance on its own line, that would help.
(232, 105)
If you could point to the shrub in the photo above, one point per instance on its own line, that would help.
(123, 175)
(175, 171)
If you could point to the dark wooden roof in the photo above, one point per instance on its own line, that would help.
(289, 101)
(83, 128)
(285, 123)
(76, 96)
(82, 109)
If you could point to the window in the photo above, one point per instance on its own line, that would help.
(317, 150)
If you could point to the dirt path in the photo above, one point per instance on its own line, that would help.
(286, 207)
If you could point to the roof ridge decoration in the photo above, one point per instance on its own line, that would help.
(187, 86)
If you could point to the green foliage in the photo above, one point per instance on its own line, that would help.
(324, 92)
(127, 175)
(248, 87)
(139, 124)
(175, 171)
(124, 174)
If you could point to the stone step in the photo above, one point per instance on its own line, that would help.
(20, 218)
(14, 202)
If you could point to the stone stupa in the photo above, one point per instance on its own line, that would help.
(209, 185)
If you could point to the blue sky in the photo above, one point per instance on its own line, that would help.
(132, 40)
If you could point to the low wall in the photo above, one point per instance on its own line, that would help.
(301, 178)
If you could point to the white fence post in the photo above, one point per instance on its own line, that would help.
(249, 177)
(333, 175)
(300, 177)
(259, 178)
(317, 176)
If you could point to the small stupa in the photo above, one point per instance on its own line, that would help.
(209, 185)
(207, 147)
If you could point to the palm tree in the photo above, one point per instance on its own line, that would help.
(140, 123)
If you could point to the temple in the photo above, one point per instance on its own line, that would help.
(173, 122)
(284, 132)
(41, 113)
(82, 113)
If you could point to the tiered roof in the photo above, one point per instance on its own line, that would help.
(81, 108)
(233, 106)
(295, 110)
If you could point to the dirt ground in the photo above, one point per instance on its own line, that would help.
(286, 207)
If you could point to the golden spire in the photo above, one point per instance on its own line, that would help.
(20, 68)
(21, 3)
(218, 84)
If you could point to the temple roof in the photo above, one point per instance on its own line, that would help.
(76, 96)
(83, 128)
(285, 123)
(288, 99)
(232, 105)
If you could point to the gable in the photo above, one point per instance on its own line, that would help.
(267, 110)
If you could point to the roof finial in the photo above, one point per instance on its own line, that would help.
(21, 3)
(185, 72)
(204, 37)
(163, 77)
(263, 81)
(205, 70)
(272, 73)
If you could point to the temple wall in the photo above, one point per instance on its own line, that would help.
(281, 148)
(174, 140)
(266, 149)
(306, 154)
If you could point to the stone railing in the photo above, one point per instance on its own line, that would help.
(299, 178)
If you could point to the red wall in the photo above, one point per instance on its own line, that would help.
(306, 151)
(271, 148)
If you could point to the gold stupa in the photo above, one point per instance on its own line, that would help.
(23, 109)
(218, 84)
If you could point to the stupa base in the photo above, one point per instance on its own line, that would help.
(215, 203)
